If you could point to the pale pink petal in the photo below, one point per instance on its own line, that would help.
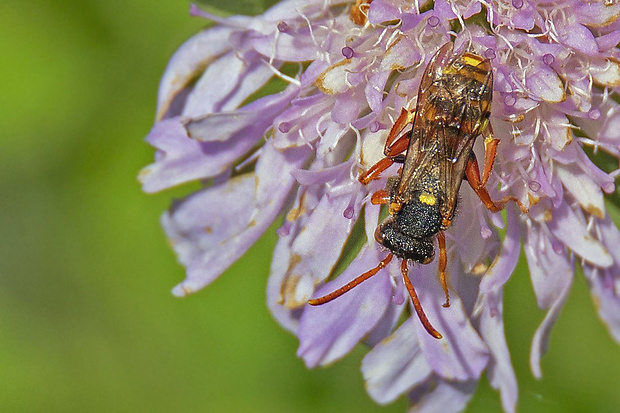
(395, 365)
(328, 332)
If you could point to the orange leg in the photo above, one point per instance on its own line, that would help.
(375, 171)
(405, 118)
(416, 302)
(490, 150)
(392, 149)
(443, 261)
(352, 284)
(472, 172)
(381, 197)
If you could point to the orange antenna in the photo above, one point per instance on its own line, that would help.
(352, 284)
(416, 302)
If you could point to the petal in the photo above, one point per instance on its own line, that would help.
(441, 396)
(597, 14)
(382, 11)
(321, 239)
(391, 318)
(609, 41)
(321, 176)
(395, 365)
(461, 354)
(198, 223)
(541, 256)
(504, 264)
(501, 373)
(226, 83)
(191, 58)
(374, 90)
(347, 107)
(334, 79)
(249, 216)
(303, 121)
(400, 55)
(328, 332)
(288, 291)
(541, 337)
(572, 230)
(582, 188)
(605, 72)
(298, 46)
(180, 159)
(578, 37)
(605, 284)
(250, 121)
(544, 84)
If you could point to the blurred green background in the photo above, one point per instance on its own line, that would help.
(87, 322)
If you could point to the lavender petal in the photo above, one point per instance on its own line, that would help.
(328, 332)
(188, 61)
(205, 263)
(395, 365)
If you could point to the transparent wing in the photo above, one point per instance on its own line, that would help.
(452, 110)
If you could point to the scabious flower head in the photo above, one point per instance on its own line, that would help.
(297, 153)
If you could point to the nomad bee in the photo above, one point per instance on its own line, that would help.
(452, 109)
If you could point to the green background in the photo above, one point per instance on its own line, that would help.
(87, 322)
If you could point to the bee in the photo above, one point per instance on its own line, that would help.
(452, 109)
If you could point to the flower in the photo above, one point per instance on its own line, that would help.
(300, 151)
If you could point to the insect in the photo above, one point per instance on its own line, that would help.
(452, 110)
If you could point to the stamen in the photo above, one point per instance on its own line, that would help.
(510, 100)
(283, 27)
(285, 229)
(347, 52)
(374, 127)
(490, 54)
(534, 186)
(517, 4)
(433, 21)
(349, 212)
(558, 247)
(284, 127)
(548, 59)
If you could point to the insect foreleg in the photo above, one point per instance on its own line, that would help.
(352, 284)
(416, 302)
(443, 261)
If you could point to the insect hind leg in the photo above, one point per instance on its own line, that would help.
(472, 172)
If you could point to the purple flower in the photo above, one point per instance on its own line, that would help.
(299, 152)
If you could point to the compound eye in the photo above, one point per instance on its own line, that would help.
(379, 234)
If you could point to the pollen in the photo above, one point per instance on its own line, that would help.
(428, 199)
